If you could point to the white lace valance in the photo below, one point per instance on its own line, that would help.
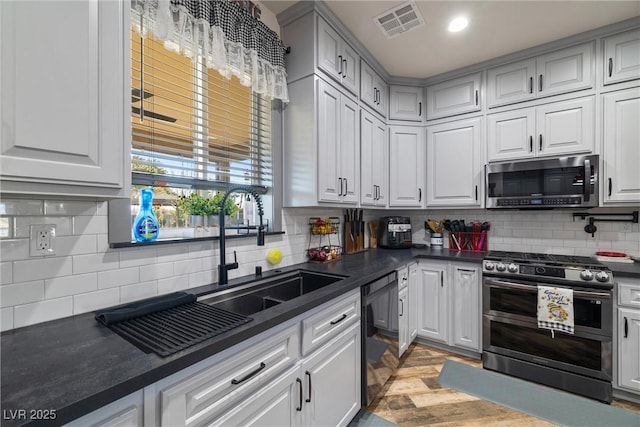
(226, 35)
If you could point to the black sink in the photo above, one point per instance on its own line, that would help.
(261, 295)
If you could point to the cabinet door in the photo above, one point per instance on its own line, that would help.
(510, 134)
(565, 127)
(332, 381)
(349, 159)
(350, 68)
(63, 110)
(127, 411)
(629, 348)
(403, 320)
(622, 57)
(465, 298)
(432, 299)
(413, 301)
(457, 96)
(407, 161)
(329, 50)
(454, 168)
(621, 149)
(374, 160)
(565, 70)
(405, 103)
(511, 83)
(274, 405)
(330, 183)
(368, 85)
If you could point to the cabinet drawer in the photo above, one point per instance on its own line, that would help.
(329, 322)
(629, 293)
(205, 393)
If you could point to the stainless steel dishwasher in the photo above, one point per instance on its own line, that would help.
(379, 335)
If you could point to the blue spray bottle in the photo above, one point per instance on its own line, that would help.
(146, 227)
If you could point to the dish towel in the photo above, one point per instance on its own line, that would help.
(555, 309)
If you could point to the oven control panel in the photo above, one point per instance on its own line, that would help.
(574, 274)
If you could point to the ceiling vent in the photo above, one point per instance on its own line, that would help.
(399, 20)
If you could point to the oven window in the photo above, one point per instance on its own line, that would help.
(586, 312)
(536, 342)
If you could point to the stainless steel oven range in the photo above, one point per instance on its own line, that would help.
(513, 343)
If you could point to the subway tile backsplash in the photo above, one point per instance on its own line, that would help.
(86, 275)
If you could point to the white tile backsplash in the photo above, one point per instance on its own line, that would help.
(86, 274)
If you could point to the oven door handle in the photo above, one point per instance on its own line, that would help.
(530, 288)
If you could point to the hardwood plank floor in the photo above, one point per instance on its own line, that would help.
(413, 397)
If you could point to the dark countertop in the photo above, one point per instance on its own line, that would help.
(75, 365)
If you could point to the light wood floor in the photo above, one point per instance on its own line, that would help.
(413, 397)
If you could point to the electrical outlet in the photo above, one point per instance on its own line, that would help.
(42, 239)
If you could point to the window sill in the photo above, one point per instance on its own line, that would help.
(188, 240)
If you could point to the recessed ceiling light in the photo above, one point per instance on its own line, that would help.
(458, 24)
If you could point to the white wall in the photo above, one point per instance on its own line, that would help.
(86, 275)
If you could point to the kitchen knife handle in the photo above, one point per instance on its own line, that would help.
(308, 374)
(540, 143)
(586, 181)
(531, 143)
(249, 375)
(610, 66)
(340, 61)
(345, 67)
(419, 109)
(419, 194)
(476, 96)
(540, 84)
(531, 84)
(610, 186)
(626, 328)
(340, 179)
(299, 381)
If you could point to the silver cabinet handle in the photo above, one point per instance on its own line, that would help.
(341, 62)
(345, 67)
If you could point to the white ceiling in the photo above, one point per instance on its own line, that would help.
(495, 28)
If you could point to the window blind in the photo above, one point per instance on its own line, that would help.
(192, 125)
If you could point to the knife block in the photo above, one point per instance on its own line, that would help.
(353, 244)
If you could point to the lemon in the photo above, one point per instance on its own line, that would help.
(274, 256)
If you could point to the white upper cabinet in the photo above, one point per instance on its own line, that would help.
(373, 90)
(454, 164)
(554, 73)
(554, 129)
(406, 103)
(65, 102)
(621, 146)
(456, 96)
(621, 57)
(336, 57)
(374, 160)
(407, 161)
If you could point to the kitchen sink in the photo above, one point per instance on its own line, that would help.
(263, 294)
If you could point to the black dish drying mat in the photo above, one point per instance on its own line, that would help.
(178, 323)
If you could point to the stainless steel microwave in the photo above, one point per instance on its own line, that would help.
(564, 182)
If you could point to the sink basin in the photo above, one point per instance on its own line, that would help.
(261, 295)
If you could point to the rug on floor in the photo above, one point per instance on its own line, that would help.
(533, 399)
(369, 419)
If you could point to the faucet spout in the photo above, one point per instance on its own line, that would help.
(223, 267)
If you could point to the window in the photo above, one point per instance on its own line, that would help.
(193, 130)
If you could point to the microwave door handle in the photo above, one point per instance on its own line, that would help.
(586, 182)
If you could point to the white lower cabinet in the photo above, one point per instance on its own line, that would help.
(628, 359)
(127, 411)
(449, 304)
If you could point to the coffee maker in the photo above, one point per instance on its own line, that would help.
(395, 232)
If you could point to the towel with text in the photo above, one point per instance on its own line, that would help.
(555, 309)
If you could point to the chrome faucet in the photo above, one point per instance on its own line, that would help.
(223, 267)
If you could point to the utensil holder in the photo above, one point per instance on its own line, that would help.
(469, 241)
(436, 241)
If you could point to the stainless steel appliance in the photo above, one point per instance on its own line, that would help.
(395, 232)
(544, 183)
(380, 357)
(513, 344)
